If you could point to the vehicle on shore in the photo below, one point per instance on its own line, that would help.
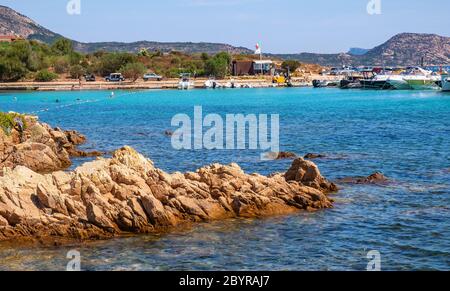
(152, 77)
(89, 78)
(115, 77)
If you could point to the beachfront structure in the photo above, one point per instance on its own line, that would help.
(9, 38)
(252, 67)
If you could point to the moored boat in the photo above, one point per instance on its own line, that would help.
(420, 79)
(445, 83)
(185, 82)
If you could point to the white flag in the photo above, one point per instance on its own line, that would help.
(258, 49)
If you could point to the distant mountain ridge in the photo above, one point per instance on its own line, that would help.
(12, 22)
(406, 49)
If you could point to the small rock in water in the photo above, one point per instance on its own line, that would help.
(312, 156)
(375, 178)
(168, 133)
(280, 156)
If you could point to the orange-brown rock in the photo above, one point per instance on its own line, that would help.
(127, 194)
(39, 147)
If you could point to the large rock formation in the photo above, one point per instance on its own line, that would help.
(127, 194)
(39, 147)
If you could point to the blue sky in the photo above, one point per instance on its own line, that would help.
(287, 26)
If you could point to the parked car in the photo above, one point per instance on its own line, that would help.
(152, 77)
(89, 77)
(115, 77)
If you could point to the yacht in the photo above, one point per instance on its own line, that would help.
(372, 80)
(398, 82)
(420, 79)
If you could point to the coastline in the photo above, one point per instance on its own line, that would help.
(138, 85)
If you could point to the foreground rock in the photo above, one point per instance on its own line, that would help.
(39, 147)
(375, 178)
(127, 194)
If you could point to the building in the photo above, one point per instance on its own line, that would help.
(252, 67)
(9, 38)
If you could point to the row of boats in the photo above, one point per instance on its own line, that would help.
(411, 78)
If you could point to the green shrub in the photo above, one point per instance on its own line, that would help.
(12, 69)
(45, 76)
(292, 65)
(8, 121)
(62, 46)
(77, 71)
(133, 71)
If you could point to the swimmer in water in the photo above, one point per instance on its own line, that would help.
(57, 101)
(15, 98)
(112, 95)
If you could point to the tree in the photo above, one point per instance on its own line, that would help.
(77, 71)
(62, 46)
(133, 71)
(292, 65)
(113, 62)
(45, 76)
(219, 65)
(61, 65)
(12, 69)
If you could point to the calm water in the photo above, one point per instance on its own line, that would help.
(404, 134)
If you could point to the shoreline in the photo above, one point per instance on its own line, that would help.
(168, 84)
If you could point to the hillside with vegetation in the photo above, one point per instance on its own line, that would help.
(37, 61)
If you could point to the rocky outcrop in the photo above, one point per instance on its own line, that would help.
(308, 174)
(39, 147)
(127, 194)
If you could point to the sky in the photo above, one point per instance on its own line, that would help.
(287, 26)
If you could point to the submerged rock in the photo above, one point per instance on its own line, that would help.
(127, 194)
(39, 147)
(375, 178)
(312, 156)
(280, 156)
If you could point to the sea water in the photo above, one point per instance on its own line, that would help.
(404, 134)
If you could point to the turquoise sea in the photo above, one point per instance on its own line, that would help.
(404, 134)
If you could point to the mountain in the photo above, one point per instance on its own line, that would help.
(405, 49)
(356, 51)
(12, 22)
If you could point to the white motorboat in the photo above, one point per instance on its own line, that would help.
(445, 82)
(398, 82)
(185, 82)
(420, 79)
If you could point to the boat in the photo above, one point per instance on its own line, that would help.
(185, 82)
(445, 82)
(371, 80)
(420, 79)
(398, 82)
(325, 83)
(351, 82)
